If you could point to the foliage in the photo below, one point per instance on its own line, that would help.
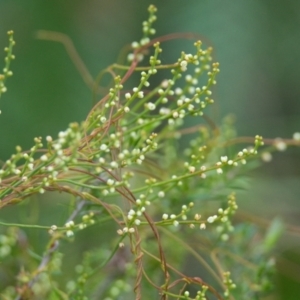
(158, 205)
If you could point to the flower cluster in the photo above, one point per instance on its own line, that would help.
(148, 30)
(125, 164)
(229, 284)
(8, 58)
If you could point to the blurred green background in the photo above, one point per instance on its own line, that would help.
(256, 42)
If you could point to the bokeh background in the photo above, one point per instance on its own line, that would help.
(256, 42)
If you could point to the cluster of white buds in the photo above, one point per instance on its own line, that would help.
(9, 57)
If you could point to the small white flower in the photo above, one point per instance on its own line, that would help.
(280, 144)
(161, 194)
(179, 102)
(178, 91)
(165, 216)
(110, 182)
(44, 158)
(211, 219)
(183, 65)
(140, 94)
(296, 136)
(127, 96)
(48, 138)
(134, 45)
(61, 134)
(224, 159)
(197, 217)
(195, 81)
(192, 169)
(165, 84)
(150, 106)
(144, 41)
(69, 224)
(202, 226)
(171, 121)
(188, 56)
(69, 233)
(160, 91)
(131, 230)
(266, 156)
(188, 78)
(103, 147)
(130, 57)
(175, 114)
(57, 146)
(152, 71)
(131, 212)
(186, 294)
(219, 171)
(164, 111)
(102, 119)
(224, 219)
(114, 164)
(197, 70)
(191, 107)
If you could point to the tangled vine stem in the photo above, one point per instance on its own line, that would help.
(124, 164)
